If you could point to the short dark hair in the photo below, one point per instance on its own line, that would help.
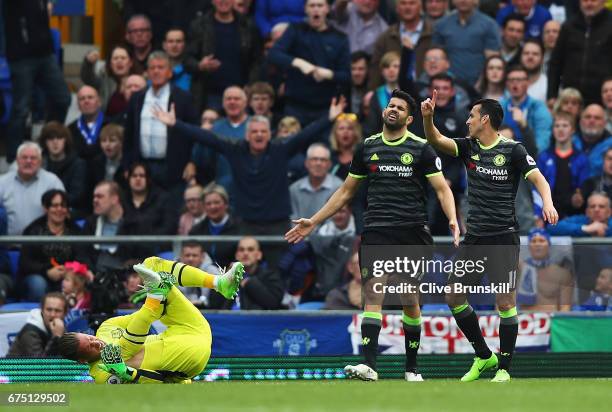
(442, 76)
(48, 196)
(435, 47)
(68, 346)
(516, 68)
(400, 94)
(358, 55)
(493, 109)
(514, 17)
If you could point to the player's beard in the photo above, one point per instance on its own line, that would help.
(397, 125)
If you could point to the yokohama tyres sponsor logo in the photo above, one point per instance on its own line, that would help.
(395, 168)
(492, 172)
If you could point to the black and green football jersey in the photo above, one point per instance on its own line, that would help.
(396, 173)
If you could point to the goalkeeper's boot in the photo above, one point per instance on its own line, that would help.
(229, 282)
(361, 371)
(154, 283)
(501, 375)
(413, 377)
(479, 366)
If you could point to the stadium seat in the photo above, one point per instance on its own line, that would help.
(17, 306)
(14, 262)
(168, 255)
(435, 307)
(310, 306)
(80, 223)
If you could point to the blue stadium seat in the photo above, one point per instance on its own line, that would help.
(20, 306)
(310, 306)
(80, 223)
(14, 262)
(435, 307)
(168, 255)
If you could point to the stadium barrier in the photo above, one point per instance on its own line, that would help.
(525, 365)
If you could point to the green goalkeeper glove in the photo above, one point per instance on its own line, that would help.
(114, 364)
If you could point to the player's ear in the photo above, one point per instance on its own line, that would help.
(409, 120)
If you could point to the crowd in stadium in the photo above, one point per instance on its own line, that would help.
(288, 88)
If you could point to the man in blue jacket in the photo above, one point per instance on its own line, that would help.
(596, 222)
(534, 112)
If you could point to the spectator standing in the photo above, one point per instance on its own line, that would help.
(44, 326)
(549, 39)
(345, 135)
(317, 62)
(21, 189)
(491, 83)
(107, 165)
(359, 80)
(581, 57)
(139, 36)
(108, 78)
(411, 36)
(532, 57)
(512, 34)
(261, 101)
(29, 52)
(436, 9)
(469, 37)
(360, 21)
(534, 14)
(533, 113)
(86, 129)
(164, 151)
(269, 13)
(174, 46)
(60, 159)
(232, 126)
(259, 166)
(223, 50)
(390, 72)
(564, 167)
(41, 266)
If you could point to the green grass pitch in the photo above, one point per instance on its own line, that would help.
(386, 395)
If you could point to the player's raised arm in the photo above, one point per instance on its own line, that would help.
(549, 213)
(433, 135)
(341, 197)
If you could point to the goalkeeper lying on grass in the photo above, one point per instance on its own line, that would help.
(122, 352)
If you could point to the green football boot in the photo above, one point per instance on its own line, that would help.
(479, 366)
(229, 282)
(502, 375)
